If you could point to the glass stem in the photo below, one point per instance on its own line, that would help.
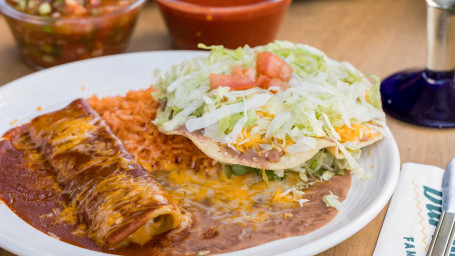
(441, 35)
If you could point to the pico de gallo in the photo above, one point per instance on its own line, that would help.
(53, 32)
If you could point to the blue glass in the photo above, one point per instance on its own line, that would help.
(421, 97)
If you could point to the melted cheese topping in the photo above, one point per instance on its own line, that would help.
(68, 132)
(68, 214)
(106, 185)
(33, 157)
(119, 193)
(244, 198)
(34, 160)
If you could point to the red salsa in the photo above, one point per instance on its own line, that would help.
(231, 23)
(53, 32)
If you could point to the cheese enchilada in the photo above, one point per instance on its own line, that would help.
(106, 186)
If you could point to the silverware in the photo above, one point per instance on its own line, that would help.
(443, 237)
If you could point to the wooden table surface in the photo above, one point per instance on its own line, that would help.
(378, 37)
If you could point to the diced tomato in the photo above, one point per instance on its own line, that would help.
(279, 83)
(263, 81)
(232, 81)
(248, 72)
(75, 7)
(273, 66)
(266, 83)
(272, 72)
(237, 70)
(239, 79)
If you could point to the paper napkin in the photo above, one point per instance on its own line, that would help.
(413, 213)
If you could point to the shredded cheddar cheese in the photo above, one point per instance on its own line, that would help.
(80, 230)
(248, 142)
(68, 214)
(356, 133)
(277, 195)
(13, 122)
(287, 215)
(264, 177)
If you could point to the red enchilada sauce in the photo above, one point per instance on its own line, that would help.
(30, 189)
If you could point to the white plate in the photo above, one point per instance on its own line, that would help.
(54, 88)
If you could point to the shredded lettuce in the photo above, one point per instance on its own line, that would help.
(227, 123)
(321, 167)
(214, 116)
(202, 253)
(375, 95)
(323, 94)
(332, 200)
(241, 170)
(305, 60)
